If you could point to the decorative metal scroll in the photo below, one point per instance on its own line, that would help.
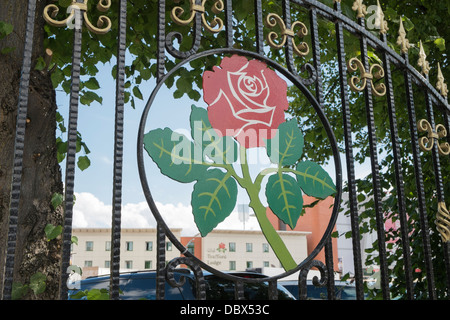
(302, 287)
(443, 221)
(287, 34)
(103, 22)
(376, 72)
(198, 274)
(427, 143)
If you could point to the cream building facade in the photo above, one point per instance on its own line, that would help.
(137, 249)
(224, 250)
(228, 250)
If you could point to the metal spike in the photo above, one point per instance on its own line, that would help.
(422, 62)
(401, 40)
(360, 7)
(379, 21)
(441, 85)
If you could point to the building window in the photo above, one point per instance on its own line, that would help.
(149, 245)
(129, 264)
(169, 246)
(108, 246)
(107, 264)
(265, 264)
(89, 245)
(148, 264)
(88, 263)
(249, 264)
(232, 246)
(232, 265)
(129, 245)
(249, 247)
(265, 247)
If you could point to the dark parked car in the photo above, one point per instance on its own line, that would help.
(142, 285)
(343, 290)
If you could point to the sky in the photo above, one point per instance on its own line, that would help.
(93, 186)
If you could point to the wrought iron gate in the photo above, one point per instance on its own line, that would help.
(365, 77)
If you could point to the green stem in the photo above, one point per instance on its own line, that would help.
(268, 230)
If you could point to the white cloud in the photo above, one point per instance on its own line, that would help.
(90, 212)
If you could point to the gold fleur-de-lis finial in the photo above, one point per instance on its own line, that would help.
(379, 20)
(360, 8)
(441, 85)
(51, 10)
(401, 40)
(422, 62)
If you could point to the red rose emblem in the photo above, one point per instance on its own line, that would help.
(246, 100)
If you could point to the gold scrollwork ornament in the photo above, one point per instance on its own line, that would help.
(426, 143)
(272, 20)
(215, 26)
(103, 22)
(376, 72)
(443, 222)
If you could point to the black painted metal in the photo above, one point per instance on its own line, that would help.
(166, 50)
(18, 151)
(72, 135)
(118, 153)
(419, 181)
(342, 63)
(398, 173)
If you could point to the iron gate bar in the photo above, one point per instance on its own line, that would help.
(118, 154)
(320, 99)
(437, 167)
(21, 122)
(349, 157)
(399, 185)
(419, 179)
(160, 262)
(259, 27)
(72, 135)
(229, 22)
(447, 244)
(375, 169)
(161, 33)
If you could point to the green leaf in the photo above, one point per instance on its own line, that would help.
(213, 199)
(57, 200)
(52, 231)
(37, 283)
(5, 29)
(221, 150)
(40, 64)
(64, 3)
(7, 50)
(74, 240)
(314, 180)
(137, 93)
(286, 147)
(83, 162)
(92, 84)
(285, 198)
(98, 294)
(174, 155)
(19, 290)
(440, 43)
